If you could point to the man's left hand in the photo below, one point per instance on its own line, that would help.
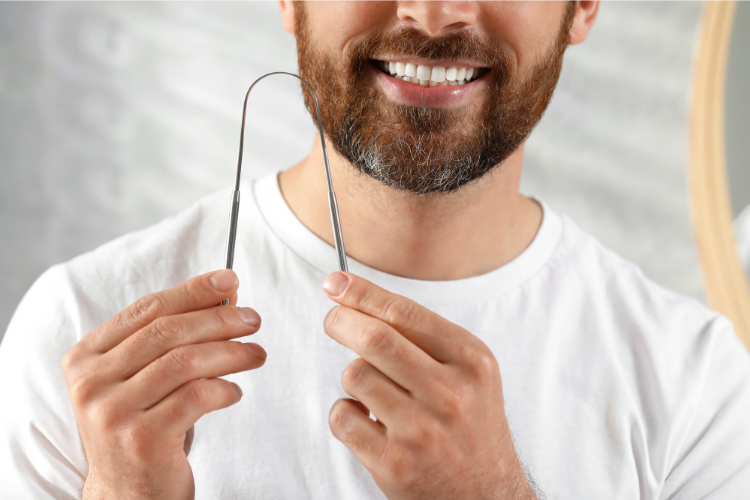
(435, 390)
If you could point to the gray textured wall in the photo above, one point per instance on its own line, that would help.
(738, 110)
(612, 149)
(737, 126)
(115, 115)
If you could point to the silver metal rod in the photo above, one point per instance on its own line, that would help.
(232, 236)
(338, 237)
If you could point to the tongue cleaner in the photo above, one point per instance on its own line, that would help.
(332, 206)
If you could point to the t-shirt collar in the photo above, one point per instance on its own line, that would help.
(322, 256)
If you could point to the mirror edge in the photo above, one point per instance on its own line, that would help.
(727, 289)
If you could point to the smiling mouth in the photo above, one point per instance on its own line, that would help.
(429, 76)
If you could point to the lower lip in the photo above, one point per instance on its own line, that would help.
(428, 97)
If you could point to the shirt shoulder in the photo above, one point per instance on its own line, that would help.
(180, 242)
(107, 279)
(684, 369)
(39, 455)
(40, 451)
(634, 313)
(631, 296)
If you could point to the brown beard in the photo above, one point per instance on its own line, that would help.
(419, 149)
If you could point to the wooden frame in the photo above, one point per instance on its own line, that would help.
(727, 288)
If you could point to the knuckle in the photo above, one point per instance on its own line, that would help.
(167, 330)
(354, 374)
(134, 435)
(240, 354)
(451, 402)
(228, 393)
(195, 393)
(373, 338)
(81, 391)
(356, 291)
(337, 418)
(185, 360)
(69, 362)
(340, 421)
(428, 433)
(194, 291)
(81, 383)
(224, 316)
(483, 363)
(333, 317)
(400, 312)
(100, 415)
(146, 309)
(401, 465)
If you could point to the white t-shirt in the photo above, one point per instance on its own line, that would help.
(615, 388)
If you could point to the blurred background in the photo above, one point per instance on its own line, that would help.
(116, 115)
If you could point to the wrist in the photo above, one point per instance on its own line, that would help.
(135, 488)
(516, 484)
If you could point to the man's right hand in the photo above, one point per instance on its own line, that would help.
(141, 380)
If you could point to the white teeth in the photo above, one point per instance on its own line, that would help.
(424, 72)
(438, 74)
(427, 76)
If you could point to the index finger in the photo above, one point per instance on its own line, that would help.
(435, 335)
(200, 292)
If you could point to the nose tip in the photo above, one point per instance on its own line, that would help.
(438, 18)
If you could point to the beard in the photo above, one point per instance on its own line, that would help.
(426, 150)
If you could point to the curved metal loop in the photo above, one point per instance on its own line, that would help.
(332, 205)
(320, 127)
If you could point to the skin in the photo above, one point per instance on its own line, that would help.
(140, 381)
(441, 431)
(464, 234)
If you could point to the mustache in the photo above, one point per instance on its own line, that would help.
(409, 41)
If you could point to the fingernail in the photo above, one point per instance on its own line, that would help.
(248, 316)
(223, 281)
(257, 351)
(335, 284)
(237, 389)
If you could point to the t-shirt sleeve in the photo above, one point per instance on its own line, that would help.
(41, 455)
(714, 459)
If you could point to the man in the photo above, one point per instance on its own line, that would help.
(489, 347)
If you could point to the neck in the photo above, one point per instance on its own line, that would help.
(438, 237)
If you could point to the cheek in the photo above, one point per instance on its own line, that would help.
(336, 24)
(529, 29)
